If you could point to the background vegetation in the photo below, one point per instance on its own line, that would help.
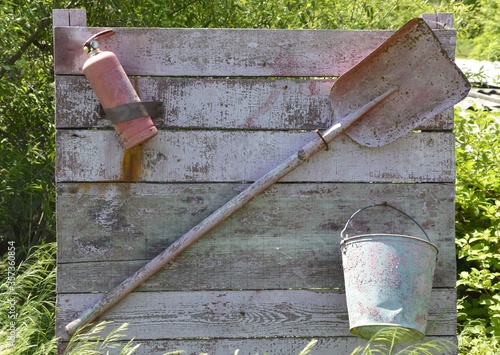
(27, 189)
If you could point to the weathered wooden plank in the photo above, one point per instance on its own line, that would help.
(240, 314)
(195, 271)
(286, 238)
(216, 103)
(159, 213)
(282, 346)
(227, 52)
(197, 156)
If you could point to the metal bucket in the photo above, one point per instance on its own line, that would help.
(388, 281)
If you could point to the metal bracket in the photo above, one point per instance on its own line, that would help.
(133, 110)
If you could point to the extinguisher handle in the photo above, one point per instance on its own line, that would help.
(99, 36)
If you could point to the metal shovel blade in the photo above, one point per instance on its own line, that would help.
(411, 60)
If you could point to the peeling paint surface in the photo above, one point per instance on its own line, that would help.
(270, 276)
(388, 282)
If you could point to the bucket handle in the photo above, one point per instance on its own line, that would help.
(385, 204)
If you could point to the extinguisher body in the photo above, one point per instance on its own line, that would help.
(113, 88)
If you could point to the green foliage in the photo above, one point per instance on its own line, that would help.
(474, 340)
(485, 28)
(477, 224)
(303, 14)
(479, 28)
(385, 341)
(27, 307)
(26, 125)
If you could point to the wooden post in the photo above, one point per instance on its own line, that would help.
(69, 17)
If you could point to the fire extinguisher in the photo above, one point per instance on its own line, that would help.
(130, 117)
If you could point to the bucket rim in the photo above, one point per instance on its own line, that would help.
(356, 238)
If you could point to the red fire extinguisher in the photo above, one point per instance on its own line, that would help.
(130, 117)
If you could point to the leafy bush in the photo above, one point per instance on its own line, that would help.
(477, 224)
(26, 126)
(486, 30)
(474, 340)
(304, 14)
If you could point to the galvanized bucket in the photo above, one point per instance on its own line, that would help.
(388, 281)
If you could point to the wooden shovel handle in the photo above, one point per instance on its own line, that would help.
(227, 210)
(181, 244)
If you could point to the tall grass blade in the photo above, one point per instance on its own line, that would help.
(90, 341)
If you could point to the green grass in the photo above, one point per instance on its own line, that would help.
(88, 341)
(27, 308)
(385, 342)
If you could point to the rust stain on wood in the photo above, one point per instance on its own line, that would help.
(132, 164)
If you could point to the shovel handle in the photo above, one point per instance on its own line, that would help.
(227, 210)
(181, 244)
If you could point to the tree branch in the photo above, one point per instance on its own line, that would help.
(30, 40)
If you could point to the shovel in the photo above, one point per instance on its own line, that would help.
(405, 81)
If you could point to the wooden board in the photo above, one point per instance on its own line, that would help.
(238, 314)
(280, 104)
(237, 103)
(248, 346)
(287, 238)
(227, 52)
(222, 156)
